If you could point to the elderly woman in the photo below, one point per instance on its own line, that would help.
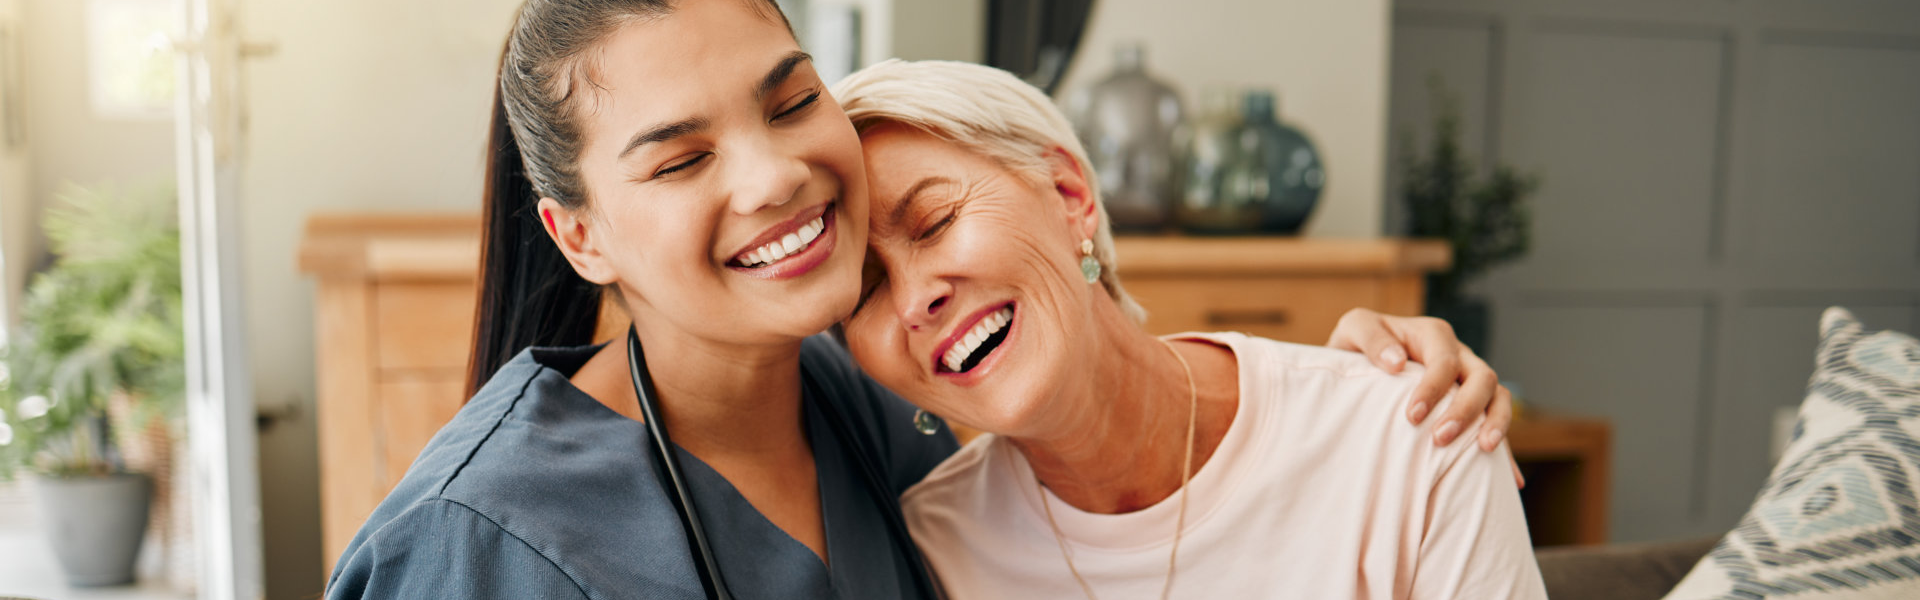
(1120, 464)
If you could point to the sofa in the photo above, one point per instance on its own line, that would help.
(1644, 571)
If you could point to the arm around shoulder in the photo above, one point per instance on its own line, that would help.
(442, 549)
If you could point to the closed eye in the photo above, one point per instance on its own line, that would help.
(937, 227)
(798, 106)
(682, 165)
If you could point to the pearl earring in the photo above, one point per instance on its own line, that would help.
(1089, 267)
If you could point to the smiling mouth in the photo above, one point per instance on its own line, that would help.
(980, 341)
(785, 246)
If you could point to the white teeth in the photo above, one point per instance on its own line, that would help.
(958, 353)
(787, 244)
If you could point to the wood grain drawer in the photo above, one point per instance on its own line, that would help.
(1291, 309)
(423, 326)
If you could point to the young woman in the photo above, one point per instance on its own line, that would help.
(1120, 464)
(683, 159)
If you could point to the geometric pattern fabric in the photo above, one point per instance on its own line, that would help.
(1838, 518)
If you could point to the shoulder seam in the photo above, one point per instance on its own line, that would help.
(536, 551)
(521, 395)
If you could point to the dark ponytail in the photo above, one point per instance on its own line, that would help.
(529, 293)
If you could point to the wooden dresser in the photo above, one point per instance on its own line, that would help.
(393, 320)
(394, 316)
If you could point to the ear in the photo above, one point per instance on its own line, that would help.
(1070, 182)
(572, 232)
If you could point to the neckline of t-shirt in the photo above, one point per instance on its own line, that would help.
(1153, 526)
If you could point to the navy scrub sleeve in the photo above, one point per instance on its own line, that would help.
(536, 490)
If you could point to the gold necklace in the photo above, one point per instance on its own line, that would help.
(1186, 476)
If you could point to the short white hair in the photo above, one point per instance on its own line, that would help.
(988, 112)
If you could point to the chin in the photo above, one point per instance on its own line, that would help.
(1010, 407)
(829, 299)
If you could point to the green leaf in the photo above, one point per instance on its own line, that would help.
(105, 319)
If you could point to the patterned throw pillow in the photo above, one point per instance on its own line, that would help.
(1838, 518)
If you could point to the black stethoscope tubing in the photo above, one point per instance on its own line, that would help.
(673, 478)
(667, 463)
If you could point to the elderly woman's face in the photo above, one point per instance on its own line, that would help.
(972, 299)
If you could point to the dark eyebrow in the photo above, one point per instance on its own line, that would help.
(905, 204)
(780, 73)
(664, 133)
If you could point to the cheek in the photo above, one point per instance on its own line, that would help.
(650, 240)
(839, 150)
(1000, 246)
(879, 348)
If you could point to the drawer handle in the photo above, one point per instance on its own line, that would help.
(1232, 318)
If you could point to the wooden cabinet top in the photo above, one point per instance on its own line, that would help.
(390, 247)
(1179, 255)
(446, 246)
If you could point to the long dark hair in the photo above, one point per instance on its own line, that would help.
(529, 293)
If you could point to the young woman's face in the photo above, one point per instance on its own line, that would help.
(727, 194)
(973, 305)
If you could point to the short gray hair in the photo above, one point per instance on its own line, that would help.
(988, 112)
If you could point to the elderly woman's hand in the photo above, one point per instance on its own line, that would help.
(1390, 341)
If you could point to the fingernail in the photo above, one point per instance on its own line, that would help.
(1417, 412)
(1394, 355)
(1491, 439)
(1445, 435)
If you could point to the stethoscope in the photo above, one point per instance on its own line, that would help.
(667, 464)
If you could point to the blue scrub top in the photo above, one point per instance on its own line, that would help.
(536, 490)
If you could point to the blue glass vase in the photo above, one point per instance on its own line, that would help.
(1276, 169)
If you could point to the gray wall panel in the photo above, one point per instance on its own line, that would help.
(1715, 174)
(1594, 360)
(1839, 175)
(1624, 128)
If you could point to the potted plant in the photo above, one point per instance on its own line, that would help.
(99, 357)
(1483, 217)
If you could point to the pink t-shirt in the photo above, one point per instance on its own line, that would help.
(1320, 489)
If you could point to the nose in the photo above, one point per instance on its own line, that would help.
(921, 305)
(768, 175)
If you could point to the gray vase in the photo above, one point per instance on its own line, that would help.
(1127, 123)
(96, 524)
